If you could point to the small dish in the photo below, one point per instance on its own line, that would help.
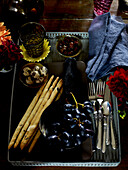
(69, 46)
(33, 75)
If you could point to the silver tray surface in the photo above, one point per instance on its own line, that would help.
(112, 157)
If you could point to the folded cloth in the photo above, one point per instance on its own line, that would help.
(108, 45)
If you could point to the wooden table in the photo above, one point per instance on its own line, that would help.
(64, 15)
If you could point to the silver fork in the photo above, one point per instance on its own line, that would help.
(96, 89)
(91, 90)
(100, 88)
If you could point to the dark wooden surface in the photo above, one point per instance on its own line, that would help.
(74, 15)
(64, 15)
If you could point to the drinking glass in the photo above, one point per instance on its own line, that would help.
(32, 35)
(102, 6)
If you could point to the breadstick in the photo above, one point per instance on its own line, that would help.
(25, 117)
(59, 94)
(36, 130)
(27, 123)
(32, 127)
(34, 141)
(48, 94)
(36, 119)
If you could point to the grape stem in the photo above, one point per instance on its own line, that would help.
(76, 101)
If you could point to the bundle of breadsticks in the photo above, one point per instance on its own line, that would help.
(28, 129)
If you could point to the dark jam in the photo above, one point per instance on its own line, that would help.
(69, 46)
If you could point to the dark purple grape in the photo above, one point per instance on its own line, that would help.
(69, 108)
(72, 126)
(65, 135)
(66, 143)
(89, 132)
(77, 116)
(77, 140)
(90, 110)
(78, 111)
(87, 103)
(87, 122)
(53, 139)
(54, 128)
(68, 116)
(81, 130)
(82, 133)
(83, 116)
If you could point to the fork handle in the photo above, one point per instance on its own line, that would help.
(99, 134)
(94, 97)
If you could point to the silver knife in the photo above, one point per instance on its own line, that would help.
(107, 97)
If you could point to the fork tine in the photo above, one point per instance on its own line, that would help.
(100, 87)
(91, 89)
(94, 88)
(104, 85)
(97, 88)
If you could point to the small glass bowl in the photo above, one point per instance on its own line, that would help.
(69, 46)
(34, 71)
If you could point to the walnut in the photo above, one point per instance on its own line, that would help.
(26, 71)
(43, 71)
(40, 80)
(29, 80)
(35, 74)
(36, 68)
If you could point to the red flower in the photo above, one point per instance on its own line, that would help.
(118, 83)
(9, 53)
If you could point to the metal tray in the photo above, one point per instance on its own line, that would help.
(97, 159)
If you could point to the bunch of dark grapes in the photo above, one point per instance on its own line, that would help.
(73, 130)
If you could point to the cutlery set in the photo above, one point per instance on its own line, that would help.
(99, 95)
